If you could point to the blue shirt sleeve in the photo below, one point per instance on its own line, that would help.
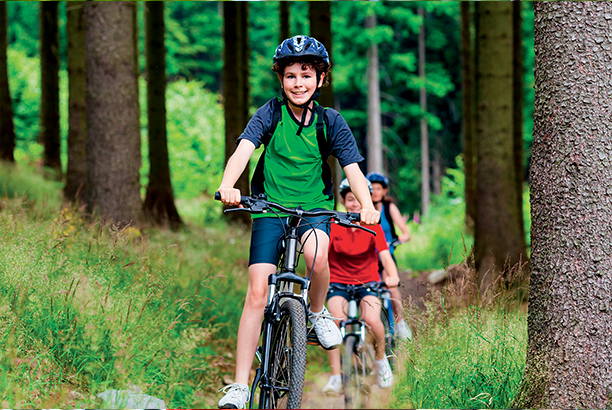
(342, 143)
(259, 124)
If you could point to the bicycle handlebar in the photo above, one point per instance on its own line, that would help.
(260, 205)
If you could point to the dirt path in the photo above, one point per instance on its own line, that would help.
(314, 398)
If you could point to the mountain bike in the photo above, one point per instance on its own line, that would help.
(358, 355)
(279, 379)
(386, 315)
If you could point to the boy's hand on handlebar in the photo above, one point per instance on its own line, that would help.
(369, 216)
(230, 196)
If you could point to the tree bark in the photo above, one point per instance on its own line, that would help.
(285, 25)
(235, 86)
(49, 84)
(320, 14)
(374, 136)
(76, 170)
(159, 204)
(7, 128)
(467, 67)
(569, 352)
(113, 134)
(499, 244)
(425, 188)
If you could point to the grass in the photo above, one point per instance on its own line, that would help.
(463, 357)
(86, 308)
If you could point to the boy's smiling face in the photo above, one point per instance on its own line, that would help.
(299, 82)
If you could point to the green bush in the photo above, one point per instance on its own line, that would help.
(440, 239)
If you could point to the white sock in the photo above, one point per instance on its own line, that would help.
(335, 377)
(379, 363)
(315, 313)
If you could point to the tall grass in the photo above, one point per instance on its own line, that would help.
(85, 308)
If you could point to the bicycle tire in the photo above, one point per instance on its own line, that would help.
(389, 338)
(354, 372)
(288, 359)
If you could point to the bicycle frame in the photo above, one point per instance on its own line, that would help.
(280, 286)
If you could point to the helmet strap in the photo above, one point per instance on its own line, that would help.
(306, 106)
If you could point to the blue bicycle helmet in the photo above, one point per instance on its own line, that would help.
(345, 188)
(298, 46)
(379, 178)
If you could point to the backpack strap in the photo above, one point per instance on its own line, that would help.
(322, 128)
(276, 117)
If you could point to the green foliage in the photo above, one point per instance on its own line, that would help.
(88, 307)
(440, 239)
(471, 359)
(196, 142)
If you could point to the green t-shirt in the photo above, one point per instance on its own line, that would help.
(292, 170)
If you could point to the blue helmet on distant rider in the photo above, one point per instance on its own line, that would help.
(379, 178)
(345, 188)
(299, 46)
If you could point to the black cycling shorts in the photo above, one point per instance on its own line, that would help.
(267, 233)
(340, 289)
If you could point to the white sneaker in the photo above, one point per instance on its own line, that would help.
(402, 330)
(384, 376)
(236, 396)
(328, 333)
(334, 385)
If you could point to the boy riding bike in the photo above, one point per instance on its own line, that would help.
(390, 217)
(353, 260)
(292, 171)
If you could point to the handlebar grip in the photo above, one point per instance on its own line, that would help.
(243, 199)
(354, 216)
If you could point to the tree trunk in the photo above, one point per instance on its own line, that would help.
(76, 171)
(467, 67)
(7, 128)
(425, 188)
(569, 353)
(159, 204)
(320, 28)
(113, 134)
(285, 24)
(235, 86)
(49, 84)
(499, 243)
(517, 61)
(374, 137)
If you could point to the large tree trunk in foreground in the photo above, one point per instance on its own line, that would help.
(425, 188)
(7, 128)
(499, 245)
(569, 353)
(76, 171)
(49, 84)
(159, 204)
(113, 134)
(285, 24)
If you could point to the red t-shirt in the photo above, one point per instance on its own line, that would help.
(352, 254)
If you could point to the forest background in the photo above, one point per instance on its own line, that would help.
(195, 98)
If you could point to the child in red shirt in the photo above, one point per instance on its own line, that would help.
(353, 260)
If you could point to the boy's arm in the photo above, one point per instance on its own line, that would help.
(234, 168)
(391, 277)
(359, 187)
(398, 220)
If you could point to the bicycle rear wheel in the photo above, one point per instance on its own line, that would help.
(287, 359)
(355, 369)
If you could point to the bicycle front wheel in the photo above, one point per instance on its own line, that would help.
(287, 360)
(389, 337)
(355, 369)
